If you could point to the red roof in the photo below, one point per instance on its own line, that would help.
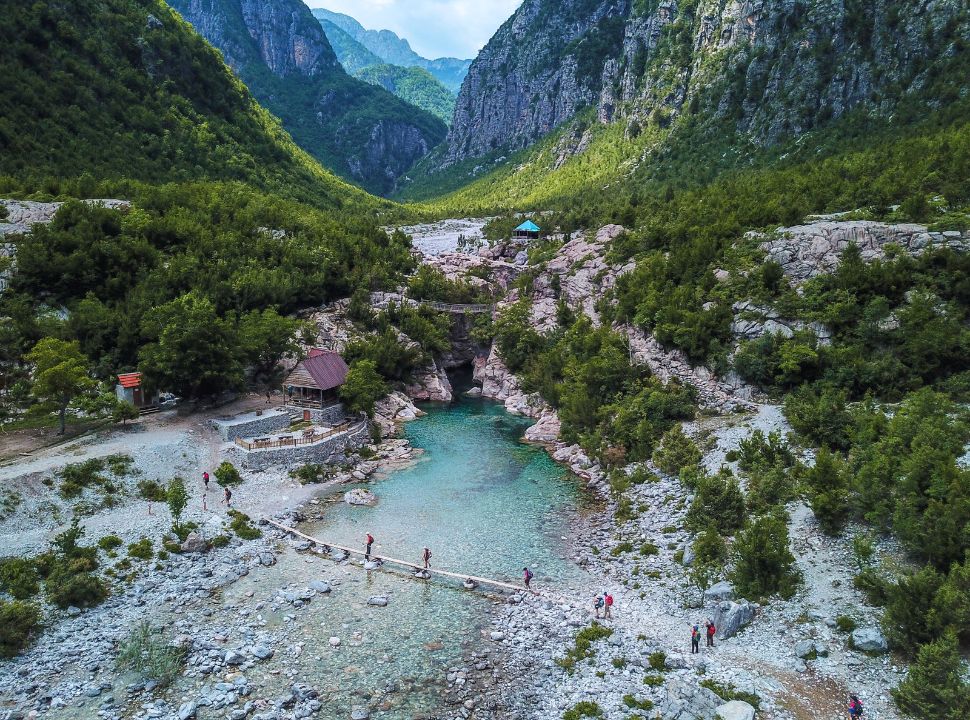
(130, 380)
(321, 369)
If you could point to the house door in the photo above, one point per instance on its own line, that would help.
(306, 416)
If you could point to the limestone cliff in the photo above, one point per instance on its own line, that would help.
(281, 52)
(769, 69)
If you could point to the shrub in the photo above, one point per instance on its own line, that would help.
(873, 586)
(583, 709)
(147, 654)
(769, 487)
(718, 502)
(820, 416)
(710, 548)
(65, 587)
(657, 661)
(110, 542)
(631, 702)
(729, 693)
(676, 452)
(309, 473)
(151, 490)
(18, 576)
(935, 686)
(647, 549)
(220, 541)
(908, 621)
(18, 623)
(227, 474)
(828, 485)
(845, 623)
(764, 563)
(767, 450)
(141, 549)
(240, 525)
(620, 548)
(178, 499)
(653, 680)
(583, 647)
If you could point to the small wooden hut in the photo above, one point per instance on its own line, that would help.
(315, 381)
(130, 389)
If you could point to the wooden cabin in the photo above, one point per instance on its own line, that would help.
(527, 231)
(315, 381)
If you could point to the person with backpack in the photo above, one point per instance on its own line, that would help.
(227, 497)
(607, 605)
(205, 480)
(598, 605)
(369, 543)
(427, 558)
(695, 640)
(527, 577)
(710, 632)
(855, 707)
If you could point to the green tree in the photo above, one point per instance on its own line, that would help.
(193, 351)
(363, 388)
(719, 503)
(908, 620)
(178, 499)
(61, 375)
(265, 337)
(935, 687)
(764, 564)
(124, 411)
(676, 452)
(828, 485)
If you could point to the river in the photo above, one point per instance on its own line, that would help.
(485, 503)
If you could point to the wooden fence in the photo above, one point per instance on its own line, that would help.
(285, 442)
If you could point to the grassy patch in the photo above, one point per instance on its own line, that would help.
(583, 647)
(141, 549)
(584, 709)
(240, 524)
(147, 654)
(729, 692)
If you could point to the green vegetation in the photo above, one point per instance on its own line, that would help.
(583, 647)
(764, 564)
(718, 502)
(19, 621)
(110, 542)
(240, 524)
(150, 655)
(583, 709)
(141, 549)
(363, 388)
(177, 498)
(18, 578)
(936, 686)
(729, 693)
(676, 452)
(68, 571)
(227, 475)
(413, 85)
(657, 661)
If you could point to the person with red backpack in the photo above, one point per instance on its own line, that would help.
(607, 605)
(855, 707)
(370, 541)
(710, 633)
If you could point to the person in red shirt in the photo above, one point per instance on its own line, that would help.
(370, 541)
(607, 605)
(205, 480)
(710, 633)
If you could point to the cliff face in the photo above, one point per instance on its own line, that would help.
(769, 68)
(281, 52)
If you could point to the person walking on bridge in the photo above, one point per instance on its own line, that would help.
(370, 542)
(427, 558)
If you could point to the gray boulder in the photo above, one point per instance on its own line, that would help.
(321, 586)
(194, 543)
(719, 592)
(869, 640)
(187, 711)
(688, 557)
(377, 600)
(805, 649)
(359, 712)
(730, 617)
(263, 652)
(267, 559)
(685, 700)
(735, 710)
(234, 657)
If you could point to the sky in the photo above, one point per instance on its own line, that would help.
(435, 28)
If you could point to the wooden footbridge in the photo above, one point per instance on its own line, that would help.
(402, 563)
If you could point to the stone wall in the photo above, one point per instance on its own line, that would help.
(274, 420)
(288, 457)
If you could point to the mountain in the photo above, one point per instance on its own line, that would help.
(351, 54)
(126, 89)
(395, 50)
(280, 51)
(616, 84)
(414, 85)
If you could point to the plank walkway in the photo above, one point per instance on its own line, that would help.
(402, 563)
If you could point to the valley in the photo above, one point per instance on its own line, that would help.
(655, 313)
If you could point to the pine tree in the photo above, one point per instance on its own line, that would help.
(935, 688)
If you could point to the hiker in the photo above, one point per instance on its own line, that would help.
(267, 397)
(150, 508)
(370, 541)
(710, 632)
(427, 558)
(205, 480)
(598, 604)
(695, 640)
(527, 577)
(228, 497)
(855, 707)
(607, 605)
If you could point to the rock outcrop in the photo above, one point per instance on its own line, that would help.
(771, 70)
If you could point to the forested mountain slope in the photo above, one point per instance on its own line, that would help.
(280, 51)
(125, 89)
(395, 50)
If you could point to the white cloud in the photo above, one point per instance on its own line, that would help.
(435, 28)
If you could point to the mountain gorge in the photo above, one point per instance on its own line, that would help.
(280, 51)
(766, 71)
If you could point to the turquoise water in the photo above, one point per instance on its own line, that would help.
(485, 504)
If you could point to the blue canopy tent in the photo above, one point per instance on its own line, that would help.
(528, 230)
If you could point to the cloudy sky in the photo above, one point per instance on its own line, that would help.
(435, 28)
